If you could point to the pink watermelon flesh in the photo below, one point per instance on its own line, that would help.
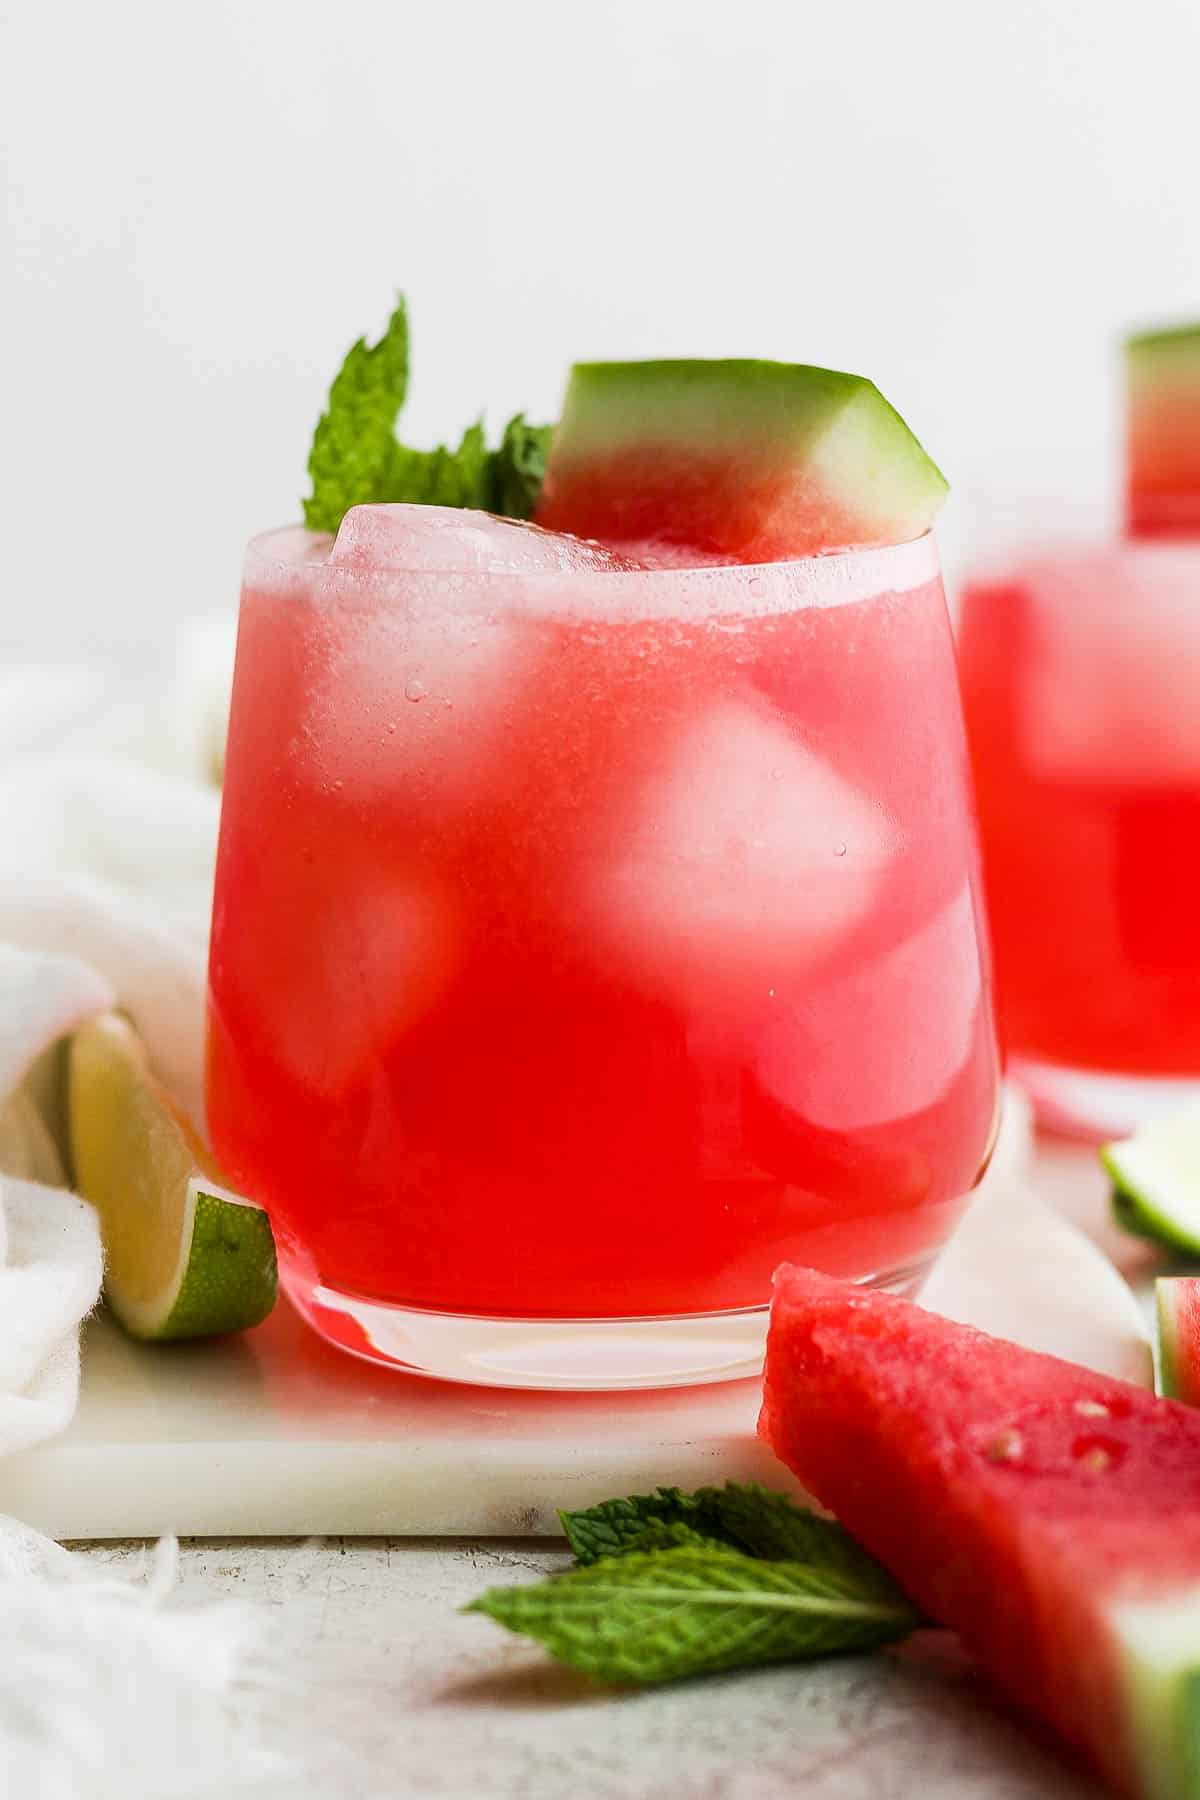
(1048, 1515)
(733, 462)
(1178, 1303)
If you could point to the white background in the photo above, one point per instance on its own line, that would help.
(205, 203)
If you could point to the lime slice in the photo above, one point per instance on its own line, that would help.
(184, 1257)
(1156, 1183)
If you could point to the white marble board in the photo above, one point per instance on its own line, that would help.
(276, 1434)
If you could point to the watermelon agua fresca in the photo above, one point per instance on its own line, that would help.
(1048, 1515)
(1162, 373)
(747, 462)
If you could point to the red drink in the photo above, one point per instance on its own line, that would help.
(1081, 677)
(589, 942)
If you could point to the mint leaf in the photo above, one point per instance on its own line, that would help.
(660, 1615)
(439, 477)
(766, 1523)
(357, 460)
(354, 444)
(614, 1527)
(670, 1534)
(745, 1517)
(519, 468)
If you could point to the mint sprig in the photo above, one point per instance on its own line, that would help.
(661, 1615)
(356, 458)
(670, 1584)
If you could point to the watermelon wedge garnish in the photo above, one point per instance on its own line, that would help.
(1048, 1515)
(734, 462)
(1177, 1306)
(1162, 374)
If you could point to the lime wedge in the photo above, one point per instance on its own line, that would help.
(1156, 1183)
(184, 1257)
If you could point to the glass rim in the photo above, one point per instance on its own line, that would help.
(832, 578)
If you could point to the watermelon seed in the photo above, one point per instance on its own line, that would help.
(1098, 1454)
(1092, 1409)
(1005, 1448)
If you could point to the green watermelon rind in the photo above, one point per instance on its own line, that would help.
(748, 408)
(1158, 1643)
(1156, 1184)
(1173, 341)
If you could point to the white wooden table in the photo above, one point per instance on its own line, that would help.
(394, 1695)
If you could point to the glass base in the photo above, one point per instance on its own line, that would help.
(1093, 1105)
(684, 1350)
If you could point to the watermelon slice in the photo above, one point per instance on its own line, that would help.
(743, 462)
(1177, 1304)
(1049, 1515)
(1162, 374)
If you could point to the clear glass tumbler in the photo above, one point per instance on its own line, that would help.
(588, 943)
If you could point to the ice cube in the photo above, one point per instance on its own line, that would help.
(1113, 666)
(886, 1037)
(414, 686)
(373, 950)
(745, 862)
(415, 704)
(460, 541)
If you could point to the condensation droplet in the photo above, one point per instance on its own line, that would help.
(1091, 1409)
(390, 727)
(414, 690)
(776, 774)
(839, 850)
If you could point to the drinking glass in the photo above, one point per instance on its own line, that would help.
(587, 943)
(1081, 681)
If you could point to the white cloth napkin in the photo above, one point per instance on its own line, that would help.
(108, 817)
(49, 1243)
(108, 824)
